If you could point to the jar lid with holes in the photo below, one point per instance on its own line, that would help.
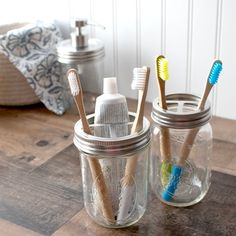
(125, 145)
(182, 112)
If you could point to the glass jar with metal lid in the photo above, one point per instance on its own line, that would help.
(181, 150)
(86, 56)
(109, 200)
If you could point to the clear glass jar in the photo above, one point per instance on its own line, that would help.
(115, 195)
(181, 150)
(89, 62)
(91, 76)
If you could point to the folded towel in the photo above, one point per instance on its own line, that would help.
(32, 49)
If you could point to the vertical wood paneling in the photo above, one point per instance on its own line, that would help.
(115, 37)
(151, 42)
(107, 35)
(189, 46)
(163, 27)
(190, 33)
(127, 44)
(226, 95)
(138, 33)
(217, 47)
(203, 44)
(176, 43)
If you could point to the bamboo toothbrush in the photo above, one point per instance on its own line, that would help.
(189, 140)
(76, 91)
(111, 118)
(140, 83)
(163, 75)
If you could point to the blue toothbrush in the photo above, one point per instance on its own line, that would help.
(177, 169)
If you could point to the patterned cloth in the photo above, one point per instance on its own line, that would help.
(32, 49)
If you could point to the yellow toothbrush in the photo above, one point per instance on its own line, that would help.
(162, 75)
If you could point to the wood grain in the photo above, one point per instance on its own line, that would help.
(215, 215)
(41, 190)
(224, 157)
(224, 129)
(10, 229)
(30, 137)
(44, 199)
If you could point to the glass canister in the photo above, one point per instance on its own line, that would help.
(86, 56)
(109, 199)
(181, 150)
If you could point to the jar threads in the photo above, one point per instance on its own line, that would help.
(188, 174)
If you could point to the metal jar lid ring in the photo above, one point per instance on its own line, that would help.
(113, 147)
(182, 112)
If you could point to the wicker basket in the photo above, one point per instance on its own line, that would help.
(14, 89)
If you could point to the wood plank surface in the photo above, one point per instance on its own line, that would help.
(214, 215)
(224, 157)
(44, 199)
(29, 137)
(41, 191)
(10, 229)
(47, 199)
(224, 129)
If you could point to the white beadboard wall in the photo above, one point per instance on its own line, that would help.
(190, 33)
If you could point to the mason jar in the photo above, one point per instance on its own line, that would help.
(181, 150)
(86, 55)
(91, 75)
(114, 174)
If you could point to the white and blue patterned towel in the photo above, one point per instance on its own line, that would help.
(32, 49)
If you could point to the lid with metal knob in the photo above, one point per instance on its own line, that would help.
(79, 48)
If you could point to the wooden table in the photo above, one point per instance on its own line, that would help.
(41, 192)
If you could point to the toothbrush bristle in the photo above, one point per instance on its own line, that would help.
(163, 71)
(74, 87)
(215, 72)
(139, 77)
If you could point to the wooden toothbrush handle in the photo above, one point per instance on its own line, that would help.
(96, 170)
(162, 101)
(81, 109)
(94, 165)
(165, 144)
(101, 188)
(130, 169)
(187, 146)
(189, 140)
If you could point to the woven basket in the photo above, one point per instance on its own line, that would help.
(14, 89)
